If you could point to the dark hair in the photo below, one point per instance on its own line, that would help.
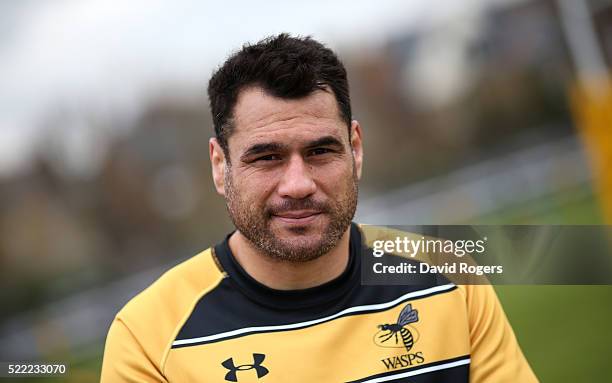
(284, 66)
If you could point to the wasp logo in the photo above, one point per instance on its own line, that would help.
(233, 369)
(388, 331)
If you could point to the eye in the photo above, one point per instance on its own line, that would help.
(320, 151)
(269, 157)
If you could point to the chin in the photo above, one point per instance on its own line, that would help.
(317, 225)
(300, 232)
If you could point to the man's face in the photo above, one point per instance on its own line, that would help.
(291, 184)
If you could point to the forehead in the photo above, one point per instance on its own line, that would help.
(259, 116)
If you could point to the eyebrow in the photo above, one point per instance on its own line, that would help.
(325, 141)
(263, 148)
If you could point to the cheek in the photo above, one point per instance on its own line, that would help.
(253, 187)
(335, 176)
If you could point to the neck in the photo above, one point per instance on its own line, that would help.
(286, 275)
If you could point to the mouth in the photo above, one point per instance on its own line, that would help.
(297, 217)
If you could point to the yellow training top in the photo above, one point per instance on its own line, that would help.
(207, 320)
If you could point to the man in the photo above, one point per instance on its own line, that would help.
(280, 299)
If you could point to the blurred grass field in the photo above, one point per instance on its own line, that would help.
(564, 331)
(576, 206)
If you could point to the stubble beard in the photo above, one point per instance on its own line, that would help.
(255, 223)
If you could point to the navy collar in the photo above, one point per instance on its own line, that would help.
(318, 296)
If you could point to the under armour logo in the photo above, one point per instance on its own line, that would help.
(257, 361)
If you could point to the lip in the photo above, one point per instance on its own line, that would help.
(298, 217)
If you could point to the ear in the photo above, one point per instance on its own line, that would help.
(357, 146)
(217, 159)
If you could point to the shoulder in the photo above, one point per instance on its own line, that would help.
(154, 316)
(176, 289)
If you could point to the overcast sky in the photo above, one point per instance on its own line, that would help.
(103, 55)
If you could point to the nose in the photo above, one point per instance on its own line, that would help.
(297, 181)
